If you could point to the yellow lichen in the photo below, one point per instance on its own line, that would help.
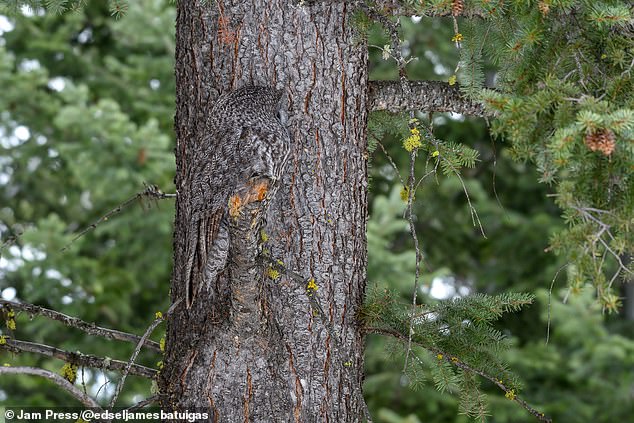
(413, 141)
(272, 273)
(235, 206)
(69, 372)
(311, 285)
(404, 194)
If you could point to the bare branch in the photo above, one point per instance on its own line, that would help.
(401, 8)
(587, 216)
(141, 404)
(87, 360)
(426, 96)
(510, 393)
(73, 322)
(150, 191)
(145, 336)
(55, 378)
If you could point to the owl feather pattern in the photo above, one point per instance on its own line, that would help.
(239, 161)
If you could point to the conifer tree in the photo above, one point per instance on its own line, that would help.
(561, 97)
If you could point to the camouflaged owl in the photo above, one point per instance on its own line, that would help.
(240, 161)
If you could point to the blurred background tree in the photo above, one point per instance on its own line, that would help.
(87, 107)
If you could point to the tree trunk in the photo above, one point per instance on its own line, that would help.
(285, 364)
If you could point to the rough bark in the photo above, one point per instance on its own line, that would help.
(279, 363)
(427, 96)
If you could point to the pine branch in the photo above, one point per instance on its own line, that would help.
(401, 8)
(73, 322)
(80, 359)
(508, 392)
(56, 379)
(425, 96)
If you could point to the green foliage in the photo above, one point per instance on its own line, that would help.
(458, 332)
(592, 364)
(385, 230)
(562, 95)
(117, 8)
(564, 99)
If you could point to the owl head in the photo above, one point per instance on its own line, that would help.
(252, 100)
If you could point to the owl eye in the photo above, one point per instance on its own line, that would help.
(279, 115)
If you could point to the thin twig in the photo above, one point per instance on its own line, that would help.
(397, 54)
(475, 218)
(74, 322)
(80, 359)
(141, 404)
(586, 215)
(56, 379)
(9, 242)
(431, 172)
(150, 191)
(464, 366)
(550, 294)
(145, 336)
(389, 159)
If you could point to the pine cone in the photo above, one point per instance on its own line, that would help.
(457, 6)
(602, 140)
(543, 7)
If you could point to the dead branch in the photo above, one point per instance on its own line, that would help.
(80, 359)
(425, 96)
(145, 336)
(73, 322)
(150, 191)
(404, 87)
(56, 379)
(144, 403)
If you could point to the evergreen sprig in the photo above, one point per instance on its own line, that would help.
(458, 338)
